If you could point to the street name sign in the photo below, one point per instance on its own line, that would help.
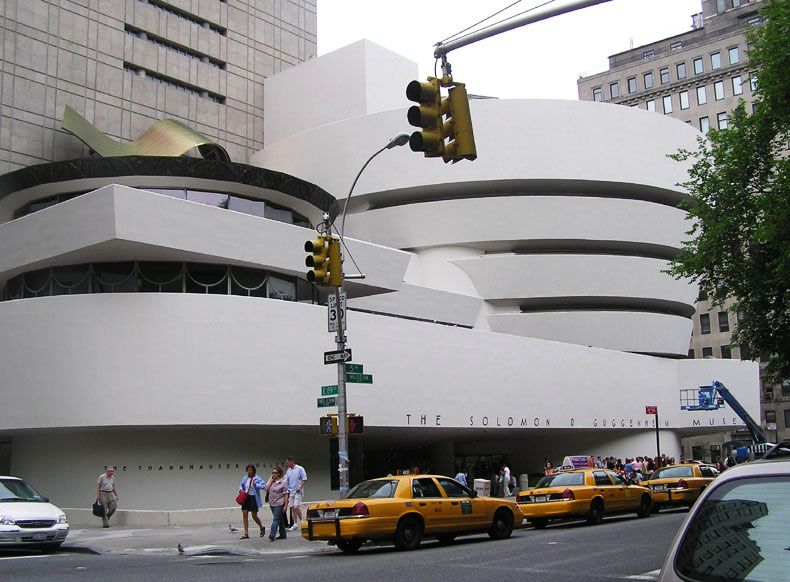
(327, 402)
(359, 378)
(329, 390)
(354, 368)
(651, 409)
(337, 356)
(333, 314)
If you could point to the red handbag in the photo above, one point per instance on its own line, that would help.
(242, 496)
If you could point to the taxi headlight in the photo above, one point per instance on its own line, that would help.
(62, 519)
(5, 520)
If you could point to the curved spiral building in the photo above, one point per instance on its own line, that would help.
(154, 313)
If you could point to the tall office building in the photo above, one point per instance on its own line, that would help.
(698, 77)
(123, 64)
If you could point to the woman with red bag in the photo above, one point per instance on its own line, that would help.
(249, 497)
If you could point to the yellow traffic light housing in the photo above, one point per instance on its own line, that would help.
(430, 116)
(335, 263)
(318, 260)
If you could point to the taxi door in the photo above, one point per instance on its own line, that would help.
(605, 485)
(428, 500)
(461, 510)
(626, 498)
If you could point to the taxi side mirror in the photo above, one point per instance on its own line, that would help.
(473, 494)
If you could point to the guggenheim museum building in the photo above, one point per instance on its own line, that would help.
(155, 315)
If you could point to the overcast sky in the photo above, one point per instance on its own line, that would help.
(541, 60)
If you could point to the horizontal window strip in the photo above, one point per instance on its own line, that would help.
(158, 40)
(187, 16)
(181, 85)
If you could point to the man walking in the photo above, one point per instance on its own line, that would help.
(295, 478)
(107, 494)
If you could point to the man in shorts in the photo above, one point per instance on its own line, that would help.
(295, 478)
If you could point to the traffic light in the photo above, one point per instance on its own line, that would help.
(462, 143)
(356, 424)
(328, 425)
(318, 260)
(335, 263)
(441, 119)
(429, 115)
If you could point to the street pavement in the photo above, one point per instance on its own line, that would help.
(622, 548)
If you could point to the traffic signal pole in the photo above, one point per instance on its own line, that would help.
(342, 407)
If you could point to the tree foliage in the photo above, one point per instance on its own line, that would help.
(739, 203)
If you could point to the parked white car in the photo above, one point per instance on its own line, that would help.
(738, 528)
(28, 519)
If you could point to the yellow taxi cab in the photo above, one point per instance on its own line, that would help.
(406, 509)
(679, 484)
(582, 494)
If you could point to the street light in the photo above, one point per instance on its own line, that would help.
(399, 140)
(342, 408)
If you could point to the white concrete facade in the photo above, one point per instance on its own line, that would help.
(514, 307)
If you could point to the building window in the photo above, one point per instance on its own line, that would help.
(691, 354)
(650, 104)
(718, 90)
(787, 418)
(648, 54)
(715, 60)
(648, 79)
(681, 70)
(614, 90)
(724, 321)
(667, 104)
(704, 323)
(699, 67)
(632, 85)
(704, 124)
(737, 85)
(726, 352)
(753, 82)
(786, 388)
(684, 99)
(597, 94)
(720, 6)
(745, 355)
(770, 416)
(663, 75)
(675, 46)
(707, 352)
(735, 56)
(702, 96)
(736, 3)
(721, 120)
(754, 20)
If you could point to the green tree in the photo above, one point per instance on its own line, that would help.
(739, 203)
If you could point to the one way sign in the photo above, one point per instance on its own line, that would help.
(337, 356)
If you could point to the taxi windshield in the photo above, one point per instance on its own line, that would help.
(670, 472)
(561, 480)
(17, 490)
(378, 488)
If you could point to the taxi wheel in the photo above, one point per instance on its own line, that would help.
(409, 533)
(502, 526)
(349, 546)
(645, 506)
(595, 516)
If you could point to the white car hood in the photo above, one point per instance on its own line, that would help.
(26, 510)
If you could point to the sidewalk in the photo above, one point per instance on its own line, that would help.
(197, 540)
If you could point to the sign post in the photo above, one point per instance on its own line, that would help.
(654, 410)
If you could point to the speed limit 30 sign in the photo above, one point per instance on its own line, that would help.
(333, 313)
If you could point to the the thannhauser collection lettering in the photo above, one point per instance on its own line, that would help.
(418, 420)
(192, 467)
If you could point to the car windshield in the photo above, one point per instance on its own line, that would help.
(17, 490)
(561, 480)
(378, 488)
(739, 533)
(671, 472)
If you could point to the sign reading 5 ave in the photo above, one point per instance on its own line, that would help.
(333, 314)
